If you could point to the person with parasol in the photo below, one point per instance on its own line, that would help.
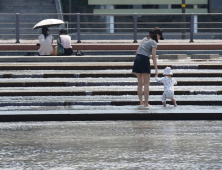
(45, 39)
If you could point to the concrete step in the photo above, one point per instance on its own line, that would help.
(125, 47)
(100, 73)
(100, 98)
(183, 112)
(215, 65)
(86, 58)
(105, 90)
(204, 56)
(110, 103)
(66, 58)
(105, 100)
(172, 56)
(41, 82)
(99, 53)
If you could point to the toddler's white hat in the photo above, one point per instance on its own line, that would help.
(167, 71)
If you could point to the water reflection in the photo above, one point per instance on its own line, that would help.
(111, 145)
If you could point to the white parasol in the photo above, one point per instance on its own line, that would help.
(48, 23)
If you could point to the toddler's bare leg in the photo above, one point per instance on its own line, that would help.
(164, 104)
(164, 99)
(174, 102)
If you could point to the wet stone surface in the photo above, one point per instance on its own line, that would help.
(111, 145)
(108, 109)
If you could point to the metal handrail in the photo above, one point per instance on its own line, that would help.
(123, 23)
(134, 23)
(132, 28)
(124, 34)
(116, 14)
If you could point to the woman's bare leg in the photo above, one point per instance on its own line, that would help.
(140, 87)
(146, 78)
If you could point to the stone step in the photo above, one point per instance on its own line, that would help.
(99, 53)
(100, 73)
(41, 82)
(105, 90)
(109, 103)
(105, 79)
(105, 65)
(74, 58)
(66, 58)
(183, 112)
(204, 56)
(88, 73)
(121, 46)
(104, 100)
(101, 98)
(172, 56)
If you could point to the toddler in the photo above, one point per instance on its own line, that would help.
(168, 82)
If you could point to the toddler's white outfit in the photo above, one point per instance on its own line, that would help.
(168, 85)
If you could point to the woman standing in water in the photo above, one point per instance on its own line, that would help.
(141, 65)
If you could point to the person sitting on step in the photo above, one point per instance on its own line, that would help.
(66, 42)
(45, 40)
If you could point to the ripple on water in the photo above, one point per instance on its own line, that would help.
(111, 145)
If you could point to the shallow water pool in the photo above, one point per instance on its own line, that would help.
(111, 145)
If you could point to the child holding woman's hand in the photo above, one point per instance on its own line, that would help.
(168, 82)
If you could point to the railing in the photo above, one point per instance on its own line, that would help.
(136, 28)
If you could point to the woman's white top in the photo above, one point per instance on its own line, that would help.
(66, 41)
(45, 45)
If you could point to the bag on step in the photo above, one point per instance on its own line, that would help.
(79, 53)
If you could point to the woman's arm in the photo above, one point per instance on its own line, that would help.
(154, 60)
(137, 50)
(159, 80)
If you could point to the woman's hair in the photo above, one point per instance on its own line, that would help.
(154, 32)
(44, 31)
(63, 31)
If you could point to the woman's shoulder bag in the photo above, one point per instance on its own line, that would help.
(60, 48)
